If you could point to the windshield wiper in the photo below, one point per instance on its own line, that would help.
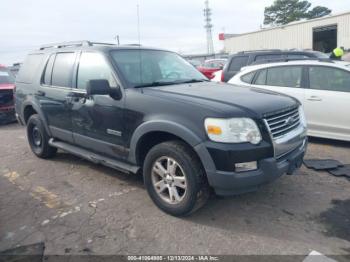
(193, 81)
(156, 83)
(166, 83)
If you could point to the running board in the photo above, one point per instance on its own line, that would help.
(93, 157)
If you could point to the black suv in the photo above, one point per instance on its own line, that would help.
(237, 61)
(143, 110)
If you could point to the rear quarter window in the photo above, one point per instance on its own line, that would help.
(247, 78)
(30, 68)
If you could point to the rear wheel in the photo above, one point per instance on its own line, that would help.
(175, 179)
(38, 138)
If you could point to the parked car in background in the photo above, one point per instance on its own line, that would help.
(14, 68)
(195, 63)
(322, 87)
(209, 67)
(237, 61)
(217, 76)
(147, 111)
(7, 110)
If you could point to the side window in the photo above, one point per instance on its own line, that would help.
(267, 57)
(30, 68)
(247, 78)
(48, 71)
(261, 79)
(286, 76)
(62, 72)
(238, 62)
(93, 66)
(328, 78)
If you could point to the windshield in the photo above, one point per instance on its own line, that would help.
(6, 77)
(143, 68)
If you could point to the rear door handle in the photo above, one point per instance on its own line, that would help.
(314, 98)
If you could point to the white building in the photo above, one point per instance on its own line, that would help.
(322, 34)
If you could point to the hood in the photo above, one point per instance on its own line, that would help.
(225, 96)
(7, 86)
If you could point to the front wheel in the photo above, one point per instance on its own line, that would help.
(38, 138)
(175, 179)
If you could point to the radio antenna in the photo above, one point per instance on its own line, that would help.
(138, 24)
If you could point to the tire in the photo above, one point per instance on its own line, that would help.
(38, 138)
(188, 179)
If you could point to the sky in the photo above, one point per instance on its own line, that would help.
(175, 25)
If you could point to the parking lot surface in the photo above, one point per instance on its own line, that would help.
(76, 207)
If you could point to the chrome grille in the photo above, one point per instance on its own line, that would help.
(283, 122)
(6, 97)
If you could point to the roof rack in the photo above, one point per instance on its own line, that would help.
(281, 60)
(261, 50)
(72, 44)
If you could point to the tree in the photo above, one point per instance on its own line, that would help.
(318, 11)
(282, 12)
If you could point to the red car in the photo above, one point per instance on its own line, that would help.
(211, 66)
(7, 108)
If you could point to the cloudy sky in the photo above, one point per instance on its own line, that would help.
(175, 25)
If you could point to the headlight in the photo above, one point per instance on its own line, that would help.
(234, 130)
(302, 116)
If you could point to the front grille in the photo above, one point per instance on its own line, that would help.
(283, 122)
(6, 97)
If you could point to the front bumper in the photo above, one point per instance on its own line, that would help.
(7, 115)
(269, 169)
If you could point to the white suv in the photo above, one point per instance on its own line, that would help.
(323, 88)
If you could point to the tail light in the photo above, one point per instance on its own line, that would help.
(222, 76)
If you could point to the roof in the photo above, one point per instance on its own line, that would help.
(293, 24)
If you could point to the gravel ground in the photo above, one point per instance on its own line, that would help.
(76, 207)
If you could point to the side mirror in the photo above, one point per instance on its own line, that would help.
(221, 67)
(98, 87)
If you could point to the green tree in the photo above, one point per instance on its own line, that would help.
(282, 12)
(318, 11)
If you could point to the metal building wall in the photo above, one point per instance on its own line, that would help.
(298, 35)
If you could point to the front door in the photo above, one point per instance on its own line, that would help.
(327, 102)
(56, 84)
(97, 120)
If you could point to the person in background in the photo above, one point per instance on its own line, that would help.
(337, 53)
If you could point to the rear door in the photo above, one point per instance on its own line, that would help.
(56, 85)
(234, 66)
(287, 80)
(327, 102)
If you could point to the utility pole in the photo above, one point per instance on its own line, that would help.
(208, 26)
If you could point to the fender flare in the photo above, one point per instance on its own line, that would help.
(40, 113)
(161, 126)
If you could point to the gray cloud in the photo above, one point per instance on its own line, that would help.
(175, 25)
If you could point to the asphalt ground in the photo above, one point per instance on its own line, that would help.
(76, 208)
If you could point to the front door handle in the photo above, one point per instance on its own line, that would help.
(314, 98)
(40, 93)
(75, 98)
